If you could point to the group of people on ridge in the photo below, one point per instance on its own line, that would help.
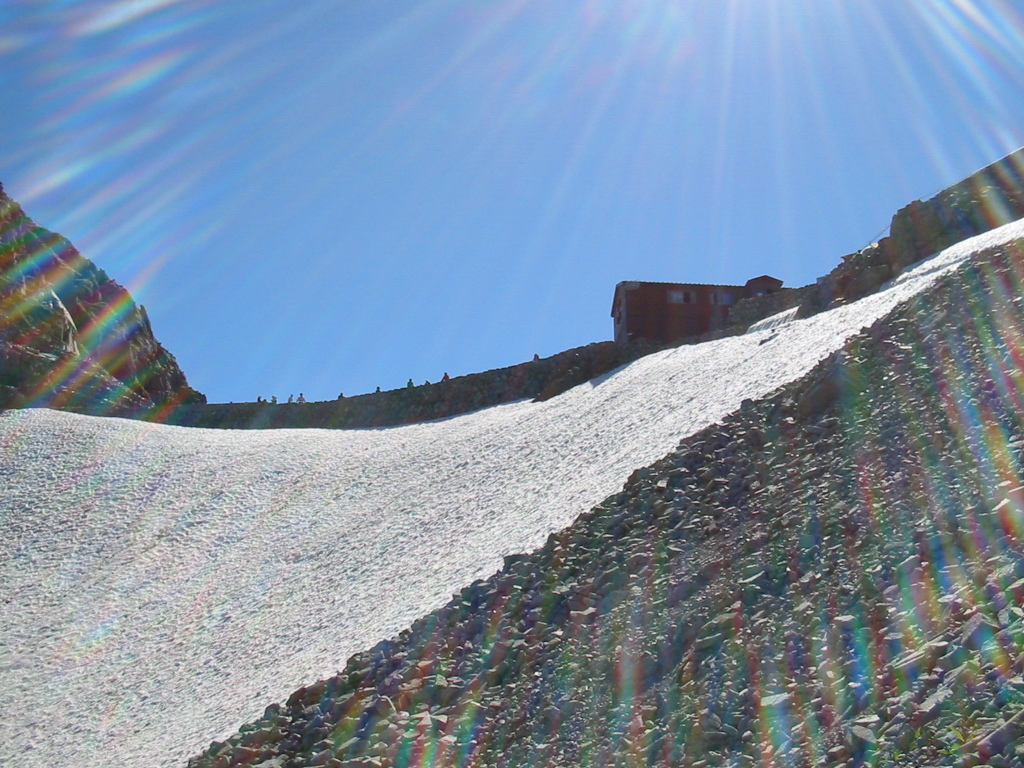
(341, 395)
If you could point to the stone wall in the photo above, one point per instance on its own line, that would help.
(538, 379)
(749, 311)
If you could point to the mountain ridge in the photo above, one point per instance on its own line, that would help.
(72, 338)
(986, 199)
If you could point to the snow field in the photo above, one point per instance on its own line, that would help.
(161, 585)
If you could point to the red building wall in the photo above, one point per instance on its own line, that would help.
(668, 312)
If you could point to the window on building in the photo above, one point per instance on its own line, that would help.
(723, 298)
(680, 297)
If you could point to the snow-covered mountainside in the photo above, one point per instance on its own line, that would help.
(160, 585)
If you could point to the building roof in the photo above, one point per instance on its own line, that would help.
(637, 283)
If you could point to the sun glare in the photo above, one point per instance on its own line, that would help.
(523, 133)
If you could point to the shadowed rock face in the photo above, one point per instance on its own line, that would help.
(70, 337)
(983, 201)
(831, 576)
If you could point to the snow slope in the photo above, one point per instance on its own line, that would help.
(161, 585)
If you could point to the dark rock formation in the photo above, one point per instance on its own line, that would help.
(831, 576)
(983, 201)
(70, 337)
(539, 379)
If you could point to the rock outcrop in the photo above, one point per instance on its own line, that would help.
(70, 337)
(983, 201)
(986, 199)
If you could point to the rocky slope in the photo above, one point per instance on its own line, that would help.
(833, 575)
(70, 337)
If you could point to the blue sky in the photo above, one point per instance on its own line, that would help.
(332, 196)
